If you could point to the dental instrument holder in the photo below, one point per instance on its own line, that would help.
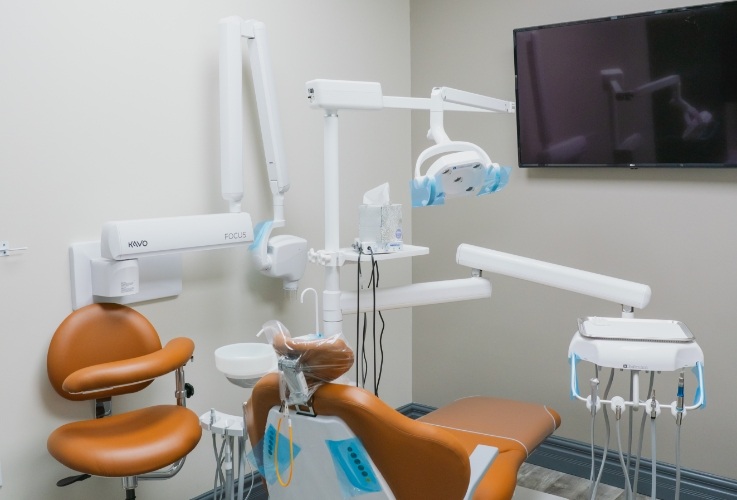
(637, 345)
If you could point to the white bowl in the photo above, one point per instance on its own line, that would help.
(245, 361)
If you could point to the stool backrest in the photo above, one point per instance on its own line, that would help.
(94, 334)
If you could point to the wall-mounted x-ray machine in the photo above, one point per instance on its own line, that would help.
(138, 260)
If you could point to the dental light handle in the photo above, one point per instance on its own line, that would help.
(437, 129)
(449, 147)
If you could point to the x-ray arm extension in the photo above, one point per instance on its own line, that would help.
(232, 29)
(283, 256)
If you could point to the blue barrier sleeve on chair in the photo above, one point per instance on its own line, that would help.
(267, 449)
(355, 473)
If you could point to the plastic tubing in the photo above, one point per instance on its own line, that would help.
(628, 488)
(608, 436)
(228, 469)
(642, 431)
(678, 462)
(593, 457)
(653, 447)
(241, 465)
(594, 395)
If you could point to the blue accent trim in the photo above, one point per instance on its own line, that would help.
(260, 231)
(428, 191)
(573, 361)
(495, 180)
(698, 370)
(423, 192)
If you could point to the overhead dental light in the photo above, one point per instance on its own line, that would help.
(463, 168)
(334, 95)
(139, 260)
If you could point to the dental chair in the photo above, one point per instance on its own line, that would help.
(105, 350)
(344, 441)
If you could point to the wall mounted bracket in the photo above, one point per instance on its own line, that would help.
(158, 276)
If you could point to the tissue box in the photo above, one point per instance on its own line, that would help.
(380, 227)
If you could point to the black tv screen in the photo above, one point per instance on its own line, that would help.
(656, 89)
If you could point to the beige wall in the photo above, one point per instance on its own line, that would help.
(108, 110)
(673, 230)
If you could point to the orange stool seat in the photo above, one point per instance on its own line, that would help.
(516, 428)
(128, 444)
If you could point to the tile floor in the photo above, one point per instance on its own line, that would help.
(538, 479)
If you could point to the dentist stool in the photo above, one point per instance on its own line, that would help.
(105, 350)
(424, 458)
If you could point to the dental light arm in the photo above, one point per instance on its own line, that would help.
(442, 98)
(284, 256)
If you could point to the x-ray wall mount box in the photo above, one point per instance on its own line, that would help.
(341, 94)
(130, 239)
(94, 279)
(114, 278)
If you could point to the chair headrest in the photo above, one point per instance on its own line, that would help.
(321, 359)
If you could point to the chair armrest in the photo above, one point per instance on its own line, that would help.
(481, 459)
(105, 376)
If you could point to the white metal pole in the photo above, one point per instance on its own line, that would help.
(332, 317)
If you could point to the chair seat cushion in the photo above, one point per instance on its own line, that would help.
(128, 444)
(515, 427)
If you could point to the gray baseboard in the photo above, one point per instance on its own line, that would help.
(574, 458)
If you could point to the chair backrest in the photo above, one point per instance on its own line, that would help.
(417, 460)
(94, 334)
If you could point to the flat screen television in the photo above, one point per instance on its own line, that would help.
(655, 89)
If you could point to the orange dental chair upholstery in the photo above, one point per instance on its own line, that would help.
(105, 350)
(426, 458)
